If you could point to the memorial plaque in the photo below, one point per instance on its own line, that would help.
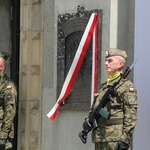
(70, 30)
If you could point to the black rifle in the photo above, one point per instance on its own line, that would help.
(91, 122)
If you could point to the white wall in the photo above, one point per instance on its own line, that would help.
(141, 74)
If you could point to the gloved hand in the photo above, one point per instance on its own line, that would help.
(121, 146)
(2, 144)
(87, 126)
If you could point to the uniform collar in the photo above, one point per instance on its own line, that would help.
(112, 78)
(2, 76)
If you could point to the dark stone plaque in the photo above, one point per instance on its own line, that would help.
(70, 30)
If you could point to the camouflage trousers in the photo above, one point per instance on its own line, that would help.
(106, 146)
(8, 144)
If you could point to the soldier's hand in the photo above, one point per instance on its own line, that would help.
(87, 126)
(121, 146)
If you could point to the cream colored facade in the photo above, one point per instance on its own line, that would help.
(30, 88)
(38, 69)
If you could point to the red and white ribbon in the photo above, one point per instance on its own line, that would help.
(91, 30)
(94, 63)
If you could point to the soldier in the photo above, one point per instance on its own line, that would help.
(8, 98)
(116, 133)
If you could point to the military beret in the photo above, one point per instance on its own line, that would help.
(4, 55)
(115, 52)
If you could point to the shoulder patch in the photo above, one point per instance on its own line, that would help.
(131, 99)
(131, 89)
(8, 96)
(8, 87)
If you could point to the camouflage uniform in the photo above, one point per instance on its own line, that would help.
(8, 97)
(123, 118)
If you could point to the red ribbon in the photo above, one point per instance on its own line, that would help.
(77, 63)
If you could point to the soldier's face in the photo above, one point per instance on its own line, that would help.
(2, 64)
(113, 64)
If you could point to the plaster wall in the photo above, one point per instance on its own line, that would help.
(62, 134)
(117, 31)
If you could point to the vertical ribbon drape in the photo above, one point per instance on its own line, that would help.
(90, 30)
(94, 63)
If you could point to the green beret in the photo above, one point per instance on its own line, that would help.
(4, 55)
(115, 52)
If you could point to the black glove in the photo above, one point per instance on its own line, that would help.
(2, 144)
(121, 146)
(87, 126)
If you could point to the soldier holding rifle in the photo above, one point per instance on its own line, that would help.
(112, 128)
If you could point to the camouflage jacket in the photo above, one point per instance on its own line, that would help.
(123, 111)
(8, 98)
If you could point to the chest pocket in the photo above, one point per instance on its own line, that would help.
(119, 98)
(99, 97)
(116, 104)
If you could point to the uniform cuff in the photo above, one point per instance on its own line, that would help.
(125, 139)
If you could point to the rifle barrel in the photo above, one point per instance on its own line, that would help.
(132, 65)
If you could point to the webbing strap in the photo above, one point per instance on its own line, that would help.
(111, 121)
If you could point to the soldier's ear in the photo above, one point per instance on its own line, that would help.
(121, 64)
